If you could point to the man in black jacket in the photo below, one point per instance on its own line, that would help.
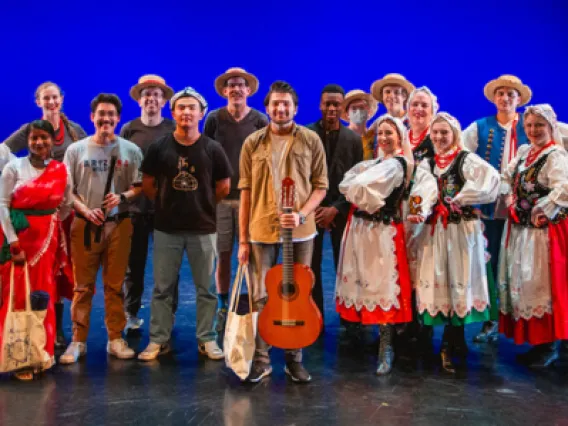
(343, 150)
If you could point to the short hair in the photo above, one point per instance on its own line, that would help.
(44, 125)
(281, 87)
(333, 88)
(106, 98)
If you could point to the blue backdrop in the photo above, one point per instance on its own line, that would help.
(453, 47)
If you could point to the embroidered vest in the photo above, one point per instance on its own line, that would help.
(491, 146)
(528, 190)
(391, 211)
(450, 183)
(425, 149)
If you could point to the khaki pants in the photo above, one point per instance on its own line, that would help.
(112, 252)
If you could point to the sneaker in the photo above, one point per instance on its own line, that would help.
(259, 371)
(221, 320)
(297, 372)
(153, 350)
(211, 349)
(133, 323)
(119, 348)
(74, 351)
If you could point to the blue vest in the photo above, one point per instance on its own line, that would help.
(491, 144)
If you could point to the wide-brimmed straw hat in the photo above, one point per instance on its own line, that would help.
(392, 79)
(357, 94)
(221, 81)
(151, 80)
(507, 80)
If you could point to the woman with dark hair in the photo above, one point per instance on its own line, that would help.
(49, 97)
(32, 189)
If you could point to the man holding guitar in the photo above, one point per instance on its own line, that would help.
(281, 150)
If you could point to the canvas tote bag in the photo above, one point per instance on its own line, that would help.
(23, 339)
(240, 330)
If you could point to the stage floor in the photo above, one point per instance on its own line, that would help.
(183, 388)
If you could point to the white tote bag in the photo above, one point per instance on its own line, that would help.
(240, 330)
(23, 339)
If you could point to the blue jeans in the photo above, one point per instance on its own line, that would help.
(201, 251)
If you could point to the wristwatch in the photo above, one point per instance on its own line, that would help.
(123, 198)
(302, 218)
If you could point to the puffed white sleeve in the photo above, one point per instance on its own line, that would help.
(556, 174)
(8, 182)
(369, 188)
(424, 192)
(470, 137)
(356, 170)
(482, 182)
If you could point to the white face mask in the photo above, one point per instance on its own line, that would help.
(358, 116)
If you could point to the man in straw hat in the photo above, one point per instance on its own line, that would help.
(496, 139)
(151, 93)
(392, 91)
(343, 150)
(230, 126)
(187, 173)
(358, 108)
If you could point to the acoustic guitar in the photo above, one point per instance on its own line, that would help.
(290, 319)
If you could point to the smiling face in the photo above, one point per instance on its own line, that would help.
(538, 130)
(394, 97)
(236, 90)
(388, 138)
(151, 100)
(420, 110)
(331, 107)
(40, 143)
(442, 136)
(49, 99)
(281, 108)
(506, 99)
(105, 118)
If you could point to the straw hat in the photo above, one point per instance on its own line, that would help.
(507, 80)
(236, 72)
(151, 80)
(355, 95)
(392, 79)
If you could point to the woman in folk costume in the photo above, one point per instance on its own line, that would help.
(32, 189)
(532, 267)
(452, 287)
(373, 282)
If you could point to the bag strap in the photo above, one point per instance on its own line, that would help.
(27, 288)
(247, 278)
(236, 289)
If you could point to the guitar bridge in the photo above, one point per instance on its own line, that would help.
(289, 323)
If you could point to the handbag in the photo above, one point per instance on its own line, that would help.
(241, 327)
(23, 338)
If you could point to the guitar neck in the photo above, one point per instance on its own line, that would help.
(287, 253)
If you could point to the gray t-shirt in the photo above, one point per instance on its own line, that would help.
(88, 164)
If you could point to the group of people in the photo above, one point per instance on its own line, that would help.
(429, 225)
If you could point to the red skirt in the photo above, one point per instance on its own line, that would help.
(553, 327)
(393, 315)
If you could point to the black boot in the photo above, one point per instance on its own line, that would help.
(446, 351)
(548, 355)
(386, 352)
(425, 344)
(60, 342)
(459, 346)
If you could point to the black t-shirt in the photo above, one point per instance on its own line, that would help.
(137, 132)
(186, 177)
(231, 134)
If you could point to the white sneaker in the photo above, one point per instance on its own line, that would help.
(153, 350)
(74, 351)
(211, 349)
(119, 348)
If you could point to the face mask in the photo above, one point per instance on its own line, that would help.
(358, 116)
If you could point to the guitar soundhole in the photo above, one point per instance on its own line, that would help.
(288, 291)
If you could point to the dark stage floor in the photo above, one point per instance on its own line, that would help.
(185, 389)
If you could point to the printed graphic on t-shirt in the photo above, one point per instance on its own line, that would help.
(184, 180)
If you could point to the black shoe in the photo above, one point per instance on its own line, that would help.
(489, 333)
(258, 372)
(548, 356)
(297, 372)
(531, 356)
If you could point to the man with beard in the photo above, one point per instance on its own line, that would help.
(187, 174)
(392, 91)
(230, 126)
(151, 93)
(282, 149)
(343, 149)
(101, 230)
(496, 139)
